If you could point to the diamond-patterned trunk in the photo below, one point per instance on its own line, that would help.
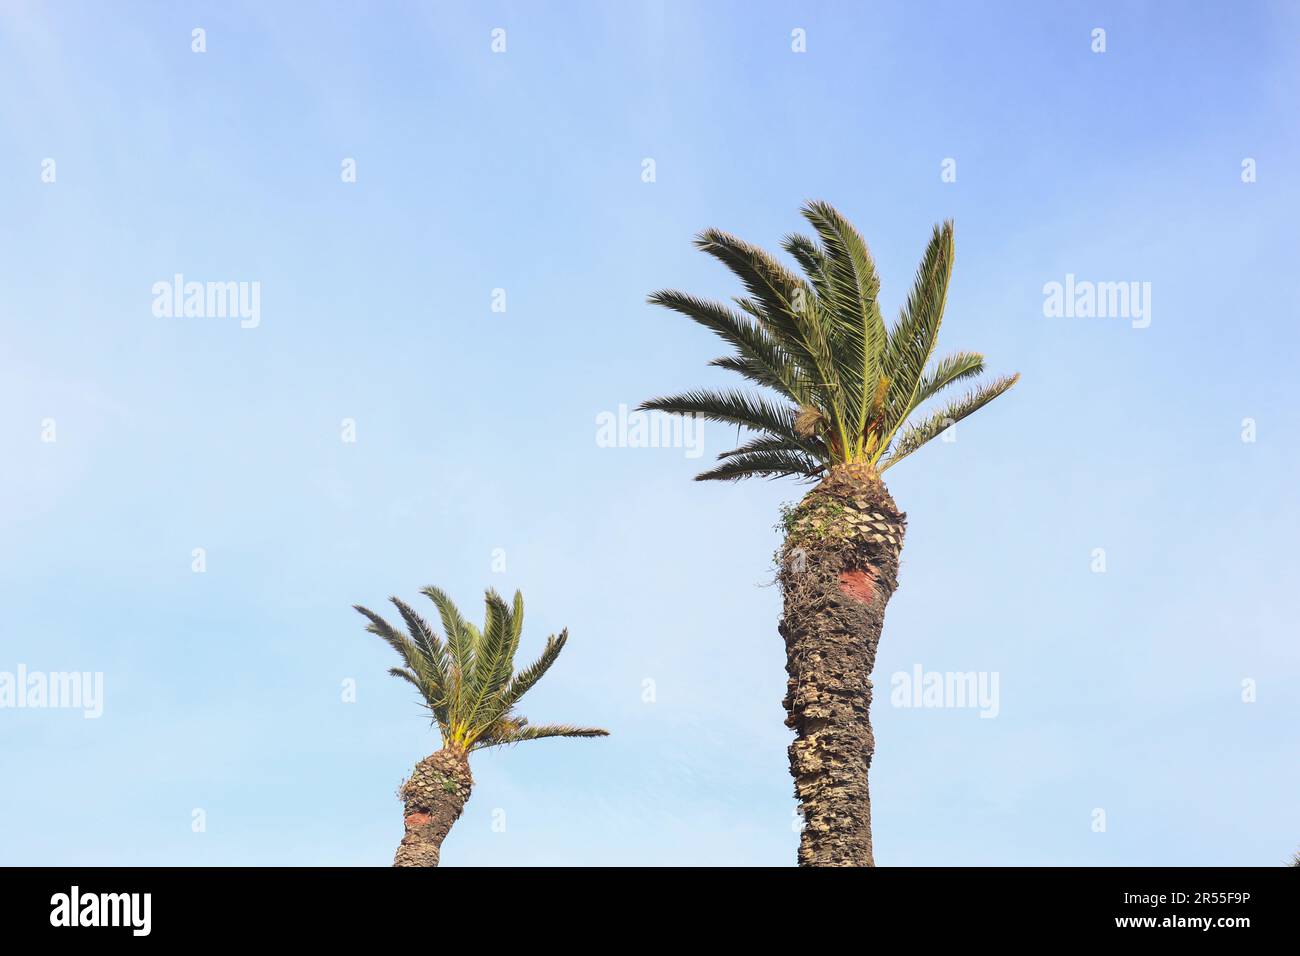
(839, 569)
(434, 796)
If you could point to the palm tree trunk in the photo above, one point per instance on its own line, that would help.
(839, 569)
(434, 796)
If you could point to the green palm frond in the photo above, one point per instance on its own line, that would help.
(458, 632)
(772, 289)
(747, 409)
(493, 665)
(436, 704)
(549, 730)
(808, 254)
(498, 732)
(846, 385)
(785, 306)
(422, 670)
(793, 386)
(766, 464)
(424, 638)
(530, 675)
(765, 443)
(948, 371)
(914, 436)
(407, 676)
(853, 285)
(516, 629)
(913, 338)
(762, 275)
(767, 362)
(466, 677)
(405, 647)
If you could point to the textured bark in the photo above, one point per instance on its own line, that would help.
(839, 569)
(434, 796)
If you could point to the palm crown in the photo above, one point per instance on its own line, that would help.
(467, 677)
(849, 389)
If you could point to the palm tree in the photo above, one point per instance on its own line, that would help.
(846, 398)
(466, 679)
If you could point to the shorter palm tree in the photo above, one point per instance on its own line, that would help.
(466, 679)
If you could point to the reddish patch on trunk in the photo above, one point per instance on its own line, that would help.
(416, 820)
(858, 585)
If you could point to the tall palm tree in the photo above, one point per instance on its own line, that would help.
(846, 398)
(466, 679)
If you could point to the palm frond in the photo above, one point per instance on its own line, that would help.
(947, 371)
(458, 631)
(516, 627)
(852, 285)
(849, 385)
(419, 670)
(394, 638)
(542, 731)
(771, 285)
(767, 362)
(808, 254)
(424, 638)
(913, 338)
(407, 676)
(753, 411)
(469, 683)
(919, 434)
(793, 387)
(498, 731)
(772, 443)
(432, 699)
(785, 306)
(493, 665)
(764, 464)
(530, 675)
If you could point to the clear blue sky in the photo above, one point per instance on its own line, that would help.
(476, 429)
